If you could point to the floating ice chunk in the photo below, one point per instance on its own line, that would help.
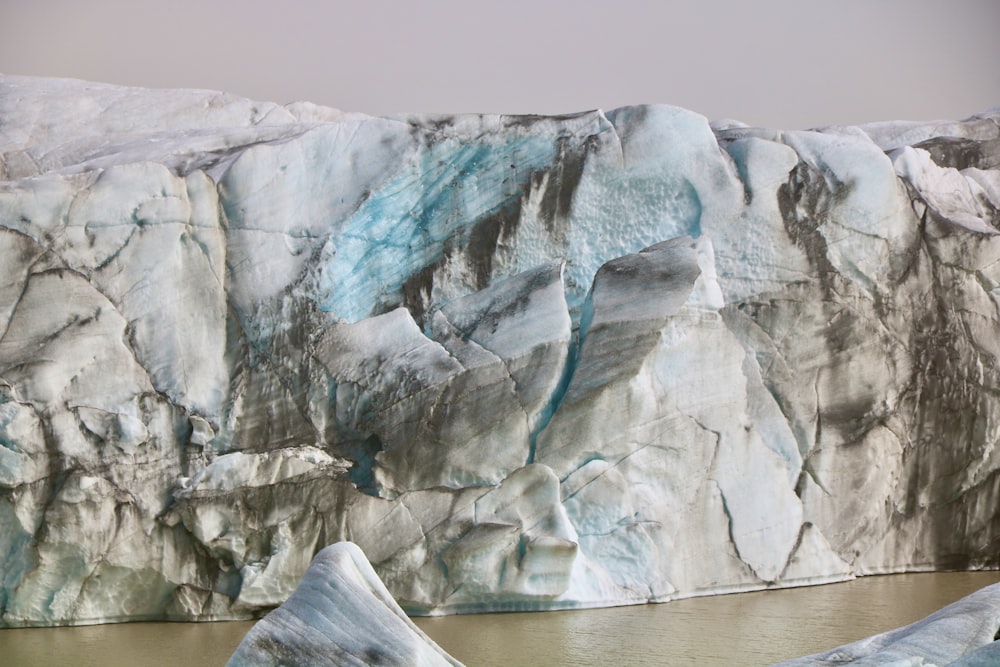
(340, 614)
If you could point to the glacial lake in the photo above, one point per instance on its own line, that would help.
(741, 629)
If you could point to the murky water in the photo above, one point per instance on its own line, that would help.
(744, 629)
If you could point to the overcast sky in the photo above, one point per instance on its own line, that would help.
(779, 63)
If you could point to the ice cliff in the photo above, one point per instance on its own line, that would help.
(522, 362)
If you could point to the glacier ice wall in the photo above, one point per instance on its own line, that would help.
(522, 362)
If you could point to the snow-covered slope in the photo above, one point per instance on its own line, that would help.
(522, 362)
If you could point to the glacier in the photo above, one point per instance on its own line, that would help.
(522, 362)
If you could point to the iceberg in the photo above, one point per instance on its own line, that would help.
(340, 614)
(522, 362)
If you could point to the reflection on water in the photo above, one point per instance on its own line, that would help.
(743, 629)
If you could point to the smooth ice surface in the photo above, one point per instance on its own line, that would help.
(522, 362)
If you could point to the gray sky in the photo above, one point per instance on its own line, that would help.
(779, 63)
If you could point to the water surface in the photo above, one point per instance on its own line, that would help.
(742, 629)
(757, 628)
